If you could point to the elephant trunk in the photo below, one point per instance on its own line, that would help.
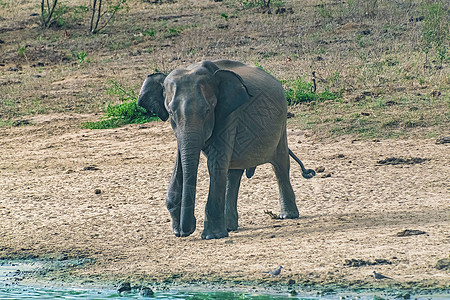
(190, 147)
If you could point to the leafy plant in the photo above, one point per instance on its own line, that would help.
(127, 112)
(82, 57)
(21, 51)
(225, 16)
(298, 91)
(149, 32)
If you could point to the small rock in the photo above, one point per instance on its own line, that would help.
(435, 94)
(418, 19)
(146, 292)
(443, 264)
(406, 296)
(17, 123)
(326, 175)
(90, 168)
(98, 191)
(222, 26)
(290, 115)
(443, 140)
(404, 161)
(391, 103)
(291, 281)
(124, 287)
(410, 232)
(320, 169)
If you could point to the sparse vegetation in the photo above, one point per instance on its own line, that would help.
(82, 57)
(260, 3)
(299, 91)
(381, 66)
(99, 18)
(435, 29)
(126, 112)
(47, 10)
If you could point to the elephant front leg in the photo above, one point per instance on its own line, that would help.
(215, 226)
(174, 196)
(231, 196)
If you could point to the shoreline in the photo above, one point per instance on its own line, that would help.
(53, 274)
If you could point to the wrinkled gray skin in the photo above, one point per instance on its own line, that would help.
(236, 115)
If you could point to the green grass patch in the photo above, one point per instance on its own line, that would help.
(301, 91)
(127, 112)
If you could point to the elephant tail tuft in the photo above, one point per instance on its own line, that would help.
(306, 173)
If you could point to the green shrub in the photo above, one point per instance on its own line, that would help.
(127, 112)
(300, 91)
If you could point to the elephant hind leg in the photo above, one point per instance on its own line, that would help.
(281, 166)
(231, 213)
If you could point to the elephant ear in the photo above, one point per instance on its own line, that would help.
(232, 93)
(151, 96)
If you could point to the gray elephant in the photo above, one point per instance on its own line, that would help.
(236, 115)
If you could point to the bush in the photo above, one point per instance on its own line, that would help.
(298, 91)
(127, 112)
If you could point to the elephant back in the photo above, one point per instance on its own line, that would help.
(259, 83)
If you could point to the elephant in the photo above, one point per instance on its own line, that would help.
(235, 115)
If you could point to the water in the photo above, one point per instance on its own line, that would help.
(43, 293)
(24, 292)
(11, 287)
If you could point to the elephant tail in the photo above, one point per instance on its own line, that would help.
(306, 173)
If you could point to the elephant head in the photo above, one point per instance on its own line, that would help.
(195, 99)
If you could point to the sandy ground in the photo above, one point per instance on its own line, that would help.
(67, 192)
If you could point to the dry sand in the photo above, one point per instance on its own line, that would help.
(70, 192)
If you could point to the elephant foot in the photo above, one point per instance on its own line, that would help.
(181, 232)
(289, 215)
(232, 226)
(214, 235)
(232, 221)
(214, 231)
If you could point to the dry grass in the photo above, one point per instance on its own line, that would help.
(370, 51)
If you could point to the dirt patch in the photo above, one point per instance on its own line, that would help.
(361, 262)
(410, 232)
(99, 194)
(402, 161)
